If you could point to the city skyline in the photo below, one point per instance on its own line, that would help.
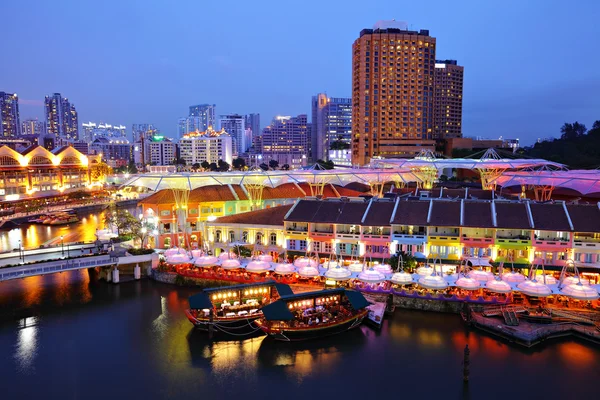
(510, 89)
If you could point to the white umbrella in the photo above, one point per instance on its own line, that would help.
(425, 270)
(197, 253)
(178, 258)
(206, 261)
(171, 251)
(467, 283)
(338, 273)
(284, 268)
(330, 264)
(498, 286)
(534, 289)
(308, 271)
(481, 275)
(401, 278)
(230, 264)
(258, 267)
(305, 261)
(227, 256)
(549, 279)
(265, 257)
(573, 279)
(434, 281)
(356, 267)
(371, 276)
(383, 268)
(580, 292)
(513, 277)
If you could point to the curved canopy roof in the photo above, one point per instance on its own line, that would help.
(190, 181)
(583, 181)
(464, 163)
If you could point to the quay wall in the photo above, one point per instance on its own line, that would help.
(411, 303)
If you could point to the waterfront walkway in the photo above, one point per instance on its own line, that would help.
(52, 267)
(14, 258)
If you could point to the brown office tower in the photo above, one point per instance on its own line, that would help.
(447, 107)
(392, 92)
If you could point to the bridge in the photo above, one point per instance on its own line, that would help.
(106, 261)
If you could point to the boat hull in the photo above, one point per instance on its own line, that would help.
(232, 326)
(299, 334)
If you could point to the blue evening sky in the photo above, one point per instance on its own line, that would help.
(529, 65)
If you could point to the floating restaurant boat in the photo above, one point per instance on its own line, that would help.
(313, 315)
(232, 309)
(57, 218)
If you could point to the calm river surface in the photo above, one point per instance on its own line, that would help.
(91, 340)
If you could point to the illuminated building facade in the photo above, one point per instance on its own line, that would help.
(210, 146)
(93, 131)
(331, 123)
(38, 172)
(392, 92)
(235, 125)
(9, 115)
(33, 127)
(286, 140)
(448, 100)
(206, 114)
(61, 118)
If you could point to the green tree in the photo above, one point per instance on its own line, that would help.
(223, 166)
(274, 164)
(132, 168)
(408, 261)
(178, 161)
(213, 166)
(196, 166)
(239, 163)
(572, 131)
(205, 165)
(126, 224)
(264, 166)
(326, 164)
(285, 167)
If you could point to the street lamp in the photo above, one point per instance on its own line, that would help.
(62, 244)
(21, 252)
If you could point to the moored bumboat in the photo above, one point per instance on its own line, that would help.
(233, 309)
(312, 315)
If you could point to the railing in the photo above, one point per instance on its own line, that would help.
(54, 266)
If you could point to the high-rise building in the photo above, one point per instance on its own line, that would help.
(286, 140)
(162, 150)
(206, 113)
(188, 124)
(115, 152)
(61, 118)
(33, 127)
(142, 130)
(331, 125)
(448, 100)
(210, 146)
(392, 92)
(235, 125)
(252, 122)
(9, 115)
(93, 131)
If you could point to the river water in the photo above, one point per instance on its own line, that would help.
(69, 336)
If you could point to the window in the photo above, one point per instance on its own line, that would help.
(302, 244)
(245, 236)
(231, 236)
(218, 236)
(273, 239)
(327, 247)
(259, 238)
(292, 244)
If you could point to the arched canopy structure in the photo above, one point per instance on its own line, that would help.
(543, 182)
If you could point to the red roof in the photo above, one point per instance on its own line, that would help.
(550, 217)
(411, 212)
(445, 213)
(477, 214)
(585, 217)
(379, 213)
(512, 216)
(268, 216)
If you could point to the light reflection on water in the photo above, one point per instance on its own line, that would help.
(140, 326)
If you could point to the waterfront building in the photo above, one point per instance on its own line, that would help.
(448, 99)
(9, 115)
(210, 146)
(331, 125)
(33, 127)
(38, 172)
(206, 114)
(235, 126)
(93, 131)
(286, 140)
(209, 203)
(392, 92)
(61, 118)
(115, 152)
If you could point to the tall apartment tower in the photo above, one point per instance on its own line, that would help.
(287, 141)
(9, 115)
(206, 113)
(448, 99)
(33, 127)
(61, 117)
(235, 126)
(331, 123)
(142, 130)
(252, 121)
(392, 92)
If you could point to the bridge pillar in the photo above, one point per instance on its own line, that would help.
(108, 273)
(115, 275)
(149, 269)
(137, 272)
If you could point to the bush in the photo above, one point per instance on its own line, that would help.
(140, 252)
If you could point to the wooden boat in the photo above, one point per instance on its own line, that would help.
(313, 315)
(233, 309)
(59, 218)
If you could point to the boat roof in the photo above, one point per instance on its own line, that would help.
(279, 311)
(202, 300)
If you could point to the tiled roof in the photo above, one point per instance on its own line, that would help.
(268, 216)
(319, 211)
(411, 212)
(30, 149)
(379, 213)
(585, 217)
(445, 213)
(304, 211)
(477, 214)
(358, 187)
(512, 216)
(240, 192)
(550, 217)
